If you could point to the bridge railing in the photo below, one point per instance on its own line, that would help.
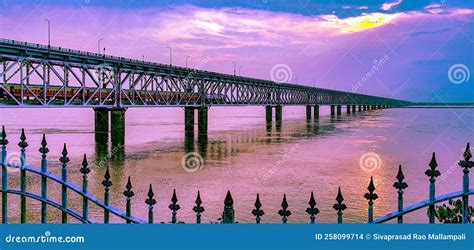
(228, 212)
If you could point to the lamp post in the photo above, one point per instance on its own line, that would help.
(49, 32)
(234, 67)
(170, 55)
(98, 45)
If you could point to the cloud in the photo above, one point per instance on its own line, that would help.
(390, 5)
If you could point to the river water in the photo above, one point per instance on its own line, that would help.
(243, 155)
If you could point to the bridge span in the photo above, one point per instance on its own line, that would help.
(34, 75)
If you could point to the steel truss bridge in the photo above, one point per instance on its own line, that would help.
(34, 75)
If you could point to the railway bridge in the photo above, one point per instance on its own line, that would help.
(41, 76)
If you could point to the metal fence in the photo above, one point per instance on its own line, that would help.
(228, 211)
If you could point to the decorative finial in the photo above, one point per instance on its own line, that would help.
(257, 212)
(371, 196)
(312, 210)
(106, 182)
(44, 150)
(23, 144)
(400, 184)
(150, 201)
(3, 140)
(284, 212)
(174, 200)
(466, 163)
(339, 205)
(64, 159)
(198, 208)
(228, 201)
(433, 172)
(85, 170)
(128, 191)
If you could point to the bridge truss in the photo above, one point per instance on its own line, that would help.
(34, 75)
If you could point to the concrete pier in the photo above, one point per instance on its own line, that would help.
(117, 127)
(348, 109)
(339, 109)
(202, 120)
(278, 113)
(189, 121)
(308, 112)
(333, 110)
(101, 117)
(268, 114)
(316, 112)
(360, 108)
(353, 108)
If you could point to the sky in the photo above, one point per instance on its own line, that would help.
(410, 50)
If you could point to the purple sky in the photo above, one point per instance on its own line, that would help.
(390, 48)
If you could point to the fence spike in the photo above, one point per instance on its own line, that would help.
(466, 164)
(4, 140)
(174, 207)
(44, 150)
(229, 212)
(284, 212)
(150, 202)
(107, 182)
(128, 191)
(198, 209)
(371, 196)
(23, 144)
(85, 186)
(339, 206)
(257, 212)
(44, 180)
(312, 210)
(432, 172)
(64, 159)
(228, 201)
(85, 169)
(400, 185)
(129, 194)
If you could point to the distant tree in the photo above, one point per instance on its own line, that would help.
(452, 213)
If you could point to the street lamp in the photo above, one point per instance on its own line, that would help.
(170, 55)
(234, 67)
(98, 45)
(49, 32)
(187, 57)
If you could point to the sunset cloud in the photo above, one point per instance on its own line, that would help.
(390, 5)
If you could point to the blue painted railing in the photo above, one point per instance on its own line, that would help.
(228, 213)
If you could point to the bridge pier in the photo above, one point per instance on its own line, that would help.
(189, 121)
(268, 114)
(360, 108)
(348, 109)
(339, 109)
(101, 117)
(316, 112)
(278, 113)
(202, 120)
(117, 127)
(333, 110)
(308, 112)
(353, 108)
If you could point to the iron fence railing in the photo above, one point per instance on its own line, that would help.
(228, 212)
